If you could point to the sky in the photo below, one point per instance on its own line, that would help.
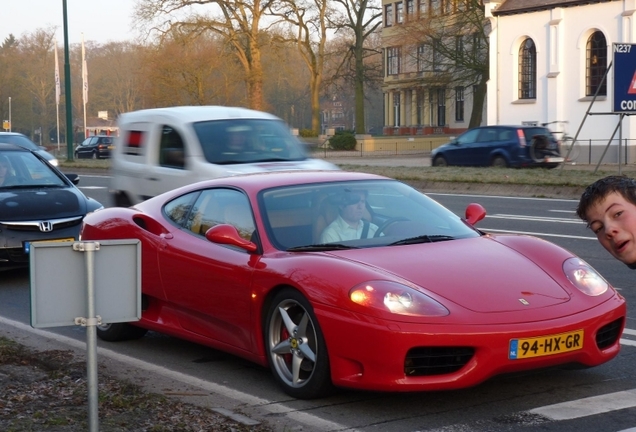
(101, 21)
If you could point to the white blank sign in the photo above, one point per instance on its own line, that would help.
(59, 282)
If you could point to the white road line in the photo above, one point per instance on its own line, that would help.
(92, 187)
(628, 342)
(535, 218)
(588, 406)
(537, 234)
(629, 331)
(502, 197)
(263, 404)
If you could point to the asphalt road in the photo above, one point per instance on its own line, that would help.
(597, 399)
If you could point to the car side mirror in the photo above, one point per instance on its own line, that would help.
(474, 213)
(227, 234)
(74, 178)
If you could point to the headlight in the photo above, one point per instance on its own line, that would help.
(395, 298)
(584, 277)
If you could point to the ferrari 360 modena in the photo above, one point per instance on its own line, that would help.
(413, 298)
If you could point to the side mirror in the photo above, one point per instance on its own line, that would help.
(474, 213)
(227, 234)
(74, 178)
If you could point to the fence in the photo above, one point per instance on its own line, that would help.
(370, 146)
(588, 151)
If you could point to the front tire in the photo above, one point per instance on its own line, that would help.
(296, 348)
(95, 155)
(439, 161)
(120, 332)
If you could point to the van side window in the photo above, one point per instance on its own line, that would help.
(134, 143)
(171, 149)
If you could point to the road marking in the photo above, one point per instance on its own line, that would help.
(92, 187)
(588, 406)
(536, 218)
(628, 341)
(263, 404)
(502, 197)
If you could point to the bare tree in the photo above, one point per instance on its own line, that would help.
(308, 19)
(191, 70)
(238, 22)
(361, 18)
(116, 77)
(36, 85)
(450, 50)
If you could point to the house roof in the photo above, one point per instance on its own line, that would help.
(510, 7)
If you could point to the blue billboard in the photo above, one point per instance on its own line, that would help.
(624, 78)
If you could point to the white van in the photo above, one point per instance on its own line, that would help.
(165, 148)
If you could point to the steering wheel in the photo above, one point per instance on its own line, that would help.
(388, 223)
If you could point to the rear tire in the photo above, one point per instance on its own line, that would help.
(120, 332)
(440, 161)
(95, 155)
(499, 162)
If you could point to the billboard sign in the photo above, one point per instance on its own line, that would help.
(624, 78)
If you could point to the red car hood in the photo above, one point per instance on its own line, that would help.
(478, 274)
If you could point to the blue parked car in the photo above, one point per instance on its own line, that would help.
(501, 146)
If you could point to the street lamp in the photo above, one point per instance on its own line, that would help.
(10, 126)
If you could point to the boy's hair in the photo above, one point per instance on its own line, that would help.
(598, 190)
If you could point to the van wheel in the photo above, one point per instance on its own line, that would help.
(439, 161)
(499, 162)
(94, 155)
(121, 200)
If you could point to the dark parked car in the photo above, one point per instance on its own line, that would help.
(24, 141)
(95, 147)
(501, 146)
(37, 203)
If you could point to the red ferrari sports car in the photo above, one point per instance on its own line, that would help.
(342, 279)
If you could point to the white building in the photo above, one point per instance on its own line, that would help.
(547, 61)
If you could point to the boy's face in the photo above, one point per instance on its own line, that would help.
(613, 220)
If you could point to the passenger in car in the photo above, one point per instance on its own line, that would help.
(349, 225)
(609, 207)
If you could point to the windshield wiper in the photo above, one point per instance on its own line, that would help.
(321, 247)
(422, 239)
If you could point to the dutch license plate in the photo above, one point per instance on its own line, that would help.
(111, 147)
(545, 345)
(27, 245)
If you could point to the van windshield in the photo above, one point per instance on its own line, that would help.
(239, 141)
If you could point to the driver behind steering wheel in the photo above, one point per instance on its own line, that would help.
(349, 225)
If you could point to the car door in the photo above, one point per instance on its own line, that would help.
(485, 146)
(168, 166)
(208, 284)
(85, 148)
(459, 152)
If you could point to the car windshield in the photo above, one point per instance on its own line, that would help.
(320, 217)
(20, 169)
(20, 140)
(247, 141)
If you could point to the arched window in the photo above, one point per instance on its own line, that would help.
(596, 65)
(527, 70)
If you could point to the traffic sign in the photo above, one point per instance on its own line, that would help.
(624, 78)
(6, 124)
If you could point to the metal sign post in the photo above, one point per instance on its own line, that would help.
(68, 288)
